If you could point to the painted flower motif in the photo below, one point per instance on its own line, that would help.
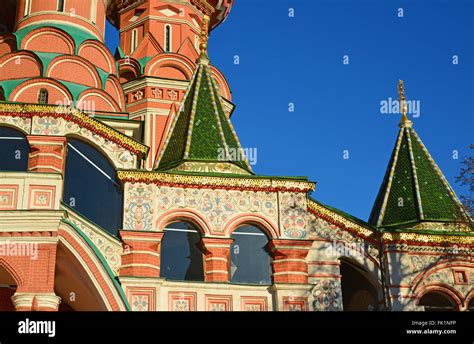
(140, 303)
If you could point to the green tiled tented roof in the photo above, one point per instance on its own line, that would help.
(414, 189)
(201, 133)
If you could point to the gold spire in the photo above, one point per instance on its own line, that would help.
(204, 36)
(403, 105)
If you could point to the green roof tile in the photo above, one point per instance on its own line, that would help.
(201, 133)
(414, 189)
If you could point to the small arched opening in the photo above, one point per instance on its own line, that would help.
(437, 301)
(7, 290)
(249, 258)
(181, 254)
(358, 290)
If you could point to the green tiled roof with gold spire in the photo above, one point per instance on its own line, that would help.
(201, 137)
(414, 193)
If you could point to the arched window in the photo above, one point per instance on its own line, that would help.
(358, 293)
(7, 290)
(27, 9)
(181, 257)
(437, 302)
(43, 96)
(91, 187)
(134, 40)
(60, 5)
(250, 261)
(14, 149)
(2, 95)
(167, 38)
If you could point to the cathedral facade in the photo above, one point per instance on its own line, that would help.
(123, 186)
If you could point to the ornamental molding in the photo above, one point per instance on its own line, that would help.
(434, 239)
(181, 180)
(339, 221)
(28, 111)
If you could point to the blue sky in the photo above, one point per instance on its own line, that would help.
(337, 106)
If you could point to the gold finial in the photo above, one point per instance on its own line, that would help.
(204, 36)
(403, 103)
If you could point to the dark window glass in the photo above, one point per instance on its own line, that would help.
(181, 258)
(250, 261)
(14, 150)
(61, 5)
(2, 95)
(43, 96)
(437, 302)
(167, 38)
(90, 186)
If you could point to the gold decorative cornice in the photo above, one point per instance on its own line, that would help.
(338, 219)
(78, 117)
(203, 6)
(428, 238)
(256, 184)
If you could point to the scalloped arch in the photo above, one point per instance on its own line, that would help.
(100, 99)
(20, 65)
(129, 69)
(27, 92)
(49, 40)
(171, 66)
(7, 44)
(95, 51)
(114, 88)
(74, 69)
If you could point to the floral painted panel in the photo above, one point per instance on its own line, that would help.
(144, 204)
(217, 206)
(120, 156)
(139, 207)
(327, 295)
(21, 123)
(293, 214)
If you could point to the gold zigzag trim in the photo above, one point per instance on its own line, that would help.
(390, 237)
(83, 119)
(339, 219)
(429, 238)
(211, 181)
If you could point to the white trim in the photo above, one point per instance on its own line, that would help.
(181, 230)
(258, 234)
(93, 15)
(12, 138)
(139, 265)
(141, 252)
(134, 40)
(290, 273)
(39, 84)
(217, 271)
(37, 167)
(27, 9)
(216, 258)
